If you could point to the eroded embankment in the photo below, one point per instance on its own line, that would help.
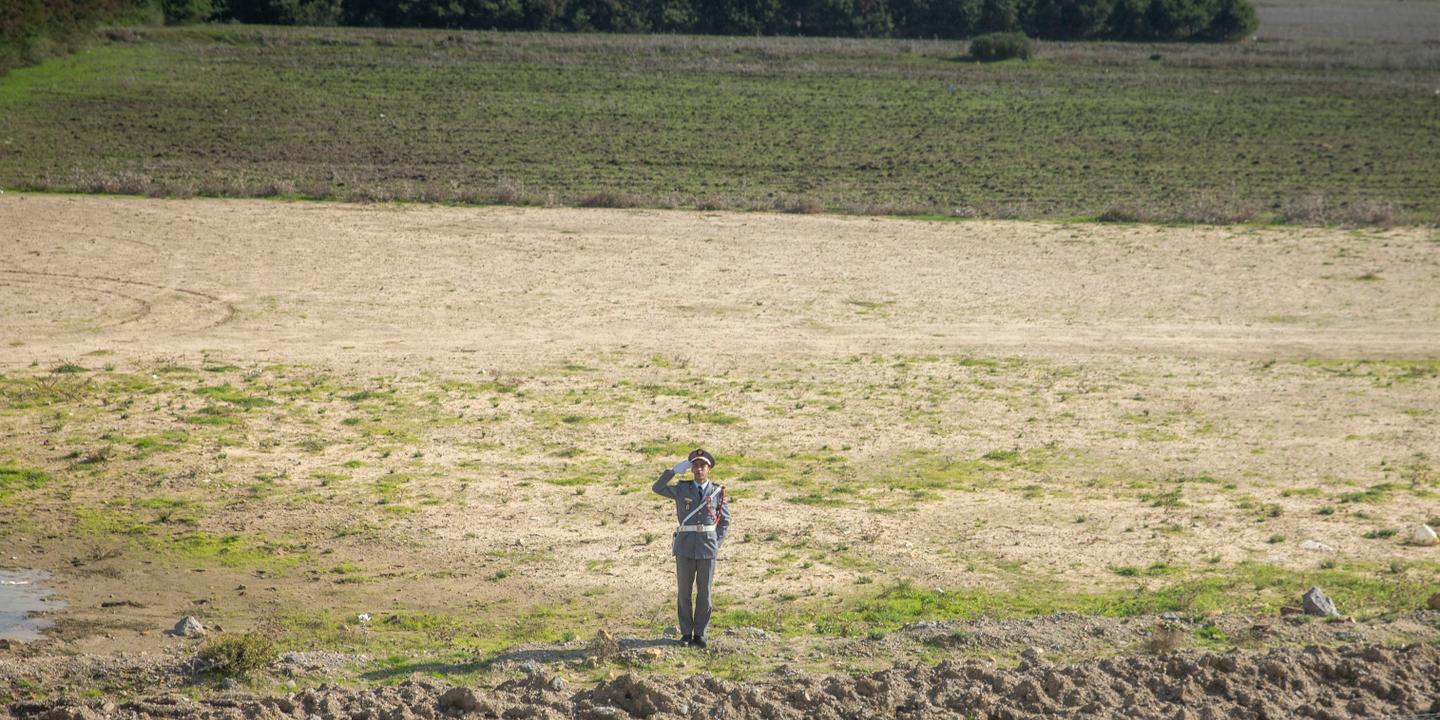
(1313, 682)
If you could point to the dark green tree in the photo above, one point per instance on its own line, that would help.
(1130, 20)
(998, 16)
(740, 17)
(1177, 19)
(1233, 20)
(955, 18)
(673, 16)
(1067, 19)
(607, 16)
(184, 12)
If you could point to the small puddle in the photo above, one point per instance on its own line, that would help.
(22, 594)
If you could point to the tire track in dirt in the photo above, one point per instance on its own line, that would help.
(151, 247)
(228, 310)
(146, 307)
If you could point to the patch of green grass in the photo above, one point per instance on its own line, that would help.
(817, 499)
(924, 470)
(653, 389)
(108, 522)
(364, 395)
(573, 480)
(1211, 636)
(1380, 534)
(1373, 494)
(1168, 499)
(214, 415)
(712, 418)
(230, 550)
(665, 448)
(14, 480)
(228, 394)
(173, 510)
(361, 530)
(327, 478)
(388, 486)
(1153, 570)
(162, 442)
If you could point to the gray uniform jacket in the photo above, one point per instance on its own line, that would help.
(716, 511)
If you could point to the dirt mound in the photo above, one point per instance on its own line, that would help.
(1314, 682)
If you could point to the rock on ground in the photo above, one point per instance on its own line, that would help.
(1313, 682)
(1316, 602)
(188, 626)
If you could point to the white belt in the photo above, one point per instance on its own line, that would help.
(697, 528)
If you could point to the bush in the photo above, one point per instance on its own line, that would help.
(611, 199)
(1166, 638)
(185, 12)
(1122, 213)
(232, 655)
(33, 30)
(1001, 46)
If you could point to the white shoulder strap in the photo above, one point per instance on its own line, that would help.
(700, 504)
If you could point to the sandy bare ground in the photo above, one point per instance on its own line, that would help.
(1118, 398)
(349, 282)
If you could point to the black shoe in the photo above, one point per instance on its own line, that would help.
(687, 639)
(698, 641)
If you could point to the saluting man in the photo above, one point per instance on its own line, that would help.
(704, 521)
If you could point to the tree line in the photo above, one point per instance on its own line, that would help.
(33, 29)
(1209, 20)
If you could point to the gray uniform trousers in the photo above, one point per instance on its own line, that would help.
(695, 551)
(693, 575)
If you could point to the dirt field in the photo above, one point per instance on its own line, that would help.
(280, 416)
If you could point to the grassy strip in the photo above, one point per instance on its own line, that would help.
(803, 125)
(408, 632)
(1362, 590)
